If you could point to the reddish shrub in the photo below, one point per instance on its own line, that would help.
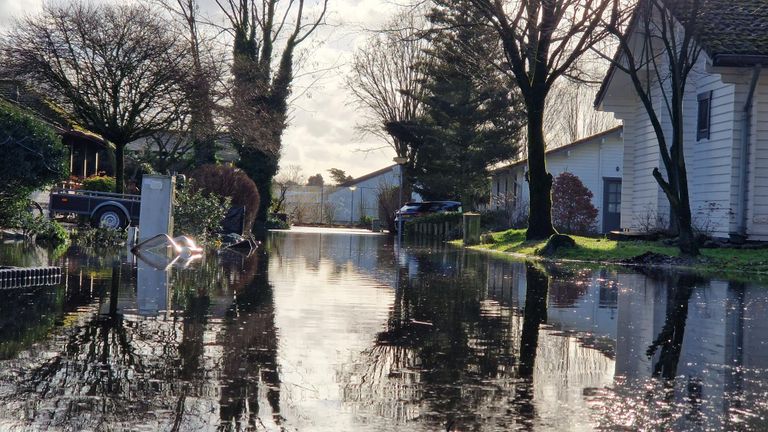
(572, 209)
(228, 181)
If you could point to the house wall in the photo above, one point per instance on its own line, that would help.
(343, 204)
(757, 201)
(712, 163)
(591, 161)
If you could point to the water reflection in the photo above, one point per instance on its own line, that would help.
(321, 331)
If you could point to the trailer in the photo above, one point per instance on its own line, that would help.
(104, 209)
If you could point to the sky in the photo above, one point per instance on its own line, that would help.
(322, 133)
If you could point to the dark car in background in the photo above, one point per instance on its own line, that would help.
(415, 209)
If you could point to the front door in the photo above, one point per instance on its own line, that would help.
(611, 204)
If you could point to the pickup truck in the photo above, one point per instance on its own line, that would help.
(104, 209)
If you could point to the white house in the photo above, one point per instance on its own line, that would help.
(596, 160)
(726, 127)
(345, 203)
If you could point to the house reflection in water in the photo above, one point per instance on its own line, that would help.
(674, 350)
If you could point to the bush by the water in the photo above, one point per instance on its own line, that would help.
(228, 182)
(40, 228)
(275, 222)
(99, 183)
(87, 236)
(198, 214)
(33, 157)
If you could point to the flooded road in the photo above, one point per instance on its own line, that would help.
(340, 331)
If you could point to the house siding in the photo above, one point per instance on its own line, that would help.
(709, 160)
(712, 163)
(757, 201)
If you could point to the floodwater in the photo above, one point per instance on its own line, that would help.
(341, 331)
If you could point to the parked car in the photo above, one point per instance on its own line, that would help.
(415, 209)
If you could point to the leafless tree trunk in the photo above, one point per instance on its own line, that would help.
(658, 55)
(385, 79)
(542, 40)
(261, 88)
(116, 69)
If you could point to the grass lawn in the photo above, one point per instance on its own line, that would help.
(603, 250)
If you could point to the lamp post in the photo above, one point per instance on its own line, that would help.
(352, 206)
(400, 161)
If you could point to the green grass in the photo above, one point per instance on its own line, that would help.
(602, 250)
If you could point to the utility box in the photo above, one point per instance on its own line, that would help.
(156, 215)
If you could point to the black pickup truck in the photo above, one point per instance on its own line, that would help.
(105, 209)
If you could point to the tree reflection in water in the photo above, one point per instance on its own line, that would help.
(534, 314)
(249, 341)
(107, 367)
(451, 356)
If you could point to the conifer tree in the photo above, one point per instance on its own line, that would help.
(471, 118)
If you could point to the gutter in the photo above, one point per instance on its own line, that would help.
(745, 145)
(739, 60)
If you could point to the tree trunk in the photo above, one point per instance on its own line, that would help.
(539, 180)
(686, 239)
(261, 167)
(119, 168)
(534, 314)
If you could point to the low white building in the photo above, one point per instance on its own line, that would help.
(596, 160)
(346, 203)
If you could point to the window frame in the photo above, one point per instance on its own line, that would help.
(703, 130)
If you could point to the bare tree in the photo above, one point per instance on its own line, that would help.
(385, 79)
(205, 71)
(115, 68)
(262, 80)
(657, 50)
(570, 114)
(542, 40)
(289, 177)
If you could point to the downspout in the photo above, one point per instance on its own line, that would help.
(745, 144)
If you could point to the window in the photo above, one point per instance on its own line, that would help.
(702, 122)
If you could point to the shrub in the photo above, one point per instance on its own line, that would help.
(99, 237)
(572, 209)
(40, 228)
(228, 182)
(32, 157)
(366, 221)
(198, 214)
(274, 222)
(99, 183)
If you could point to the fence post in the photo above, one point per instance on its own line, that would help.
(471, 229)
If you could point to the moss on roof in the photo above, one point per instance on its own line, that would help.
(733, 27)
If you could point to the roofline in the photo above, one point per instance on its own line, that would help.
(366, 176)
(564, 147)
(722, 60)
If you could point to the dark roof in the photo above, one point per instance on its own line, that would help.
(728, 27)
(568, 146)
(29, 100)
(32, 102)
(731, 32)
(367, 176)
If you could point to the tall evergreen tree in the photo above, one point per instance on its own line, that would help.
(471, 118)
